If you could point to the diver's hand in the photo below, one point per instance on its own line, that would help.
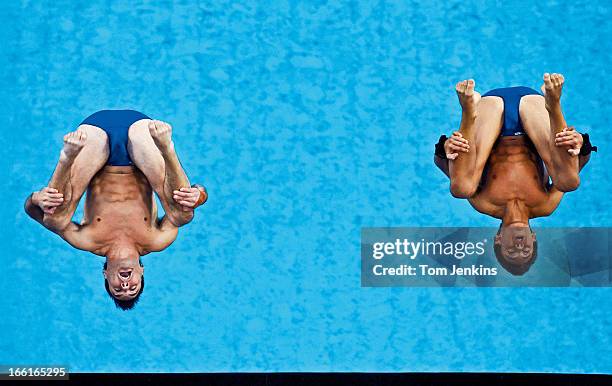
(455, 144)
(47, 199)
(569, 138)
(188, 198)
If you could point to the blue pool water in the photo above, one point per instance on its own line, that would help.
(306, 121)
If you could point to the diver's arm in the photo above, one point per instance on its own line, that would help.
(188, 199)
(551, 204)
(80, 237)
(33, 209)
(165, 235)
(485, 207)
(73, 233)
(449, 148)
(578, 144)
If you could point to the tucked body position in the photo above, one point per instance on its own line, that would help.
(120, 158)
(513, 158)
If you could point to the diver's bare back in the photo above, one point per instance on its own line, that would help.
(120, 205)
(513, 174)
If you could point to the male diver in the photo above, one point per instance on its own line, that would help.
(510, 141)
(120, 157)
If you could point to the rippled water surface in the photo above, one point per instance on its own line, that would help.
(306, 121)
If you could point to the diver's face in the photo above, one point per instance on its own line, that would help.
(516, 243)
(124, 278)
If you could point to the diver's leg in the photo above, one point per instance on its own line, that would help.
(160, 164)
(481, 121)
(145, 155)
(91, 159)
(542, 119)
(73, 182)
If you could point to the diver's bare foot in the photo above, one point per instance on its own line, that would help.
(73, 143)
(468, 98)
(552, 87)
(161, 133)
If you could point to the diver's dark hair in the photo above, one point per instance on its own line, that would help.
(125, 304)
(515, 269)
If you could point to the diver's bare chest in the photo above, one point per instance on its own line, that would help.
(498, 193)
(106, 229)
(124, 214)
(107, 221)
(513, 179)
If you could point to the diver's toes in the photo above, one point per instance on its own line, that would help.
(460, 87)
(469, 87)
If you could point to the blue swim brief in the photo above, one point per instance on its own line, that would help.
(512, 98)
(116, 124)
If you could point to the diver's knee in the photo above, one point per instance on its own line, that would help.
(567, 183)
(493, 103)
(95, 136)
(463, 189)
(138, 129)
(529, 103)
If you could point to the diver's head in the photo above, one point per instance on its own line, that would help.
(124, 277)
(515, 247)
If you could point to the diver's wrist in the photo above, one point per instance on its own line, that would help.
(34, 198)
